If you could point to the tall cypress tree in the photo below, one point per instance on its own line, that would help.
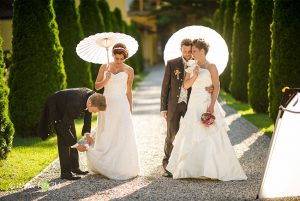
(105, 11)
(240, 50)
(137, 59)
(285, 60)
(37, 66)
(216, 20)
(92, 23)
(219, 17)
(222, 16)
(114, 22)
(227, 35)
(260, 46)
(6, 126)
(70, 33)
(118, 23)
(131, 61)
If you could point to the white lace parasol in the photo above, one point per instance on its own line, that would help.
(98, 48)
(218, 51)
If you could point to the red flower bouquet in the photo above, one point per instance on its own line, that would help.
(207, 118)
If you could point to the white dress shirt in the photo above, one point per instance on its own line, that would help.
(183, 91)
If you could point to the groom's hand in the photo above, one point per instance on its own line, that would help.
(81, 148)
(209, 89)
(164, 114)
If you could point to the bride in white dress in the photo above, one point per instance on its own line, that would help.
(203, 151)
(114, 153)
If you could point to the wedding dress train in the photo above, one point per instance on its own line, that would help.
(200, 151)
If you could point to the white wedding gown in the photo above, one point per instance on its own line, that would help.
(114, 153)
(200, 151)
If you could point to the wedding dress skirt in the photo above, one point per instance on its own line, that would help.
(114, 153)
(200, 151)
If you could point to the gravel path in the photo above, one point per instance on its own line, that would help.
(250, 145)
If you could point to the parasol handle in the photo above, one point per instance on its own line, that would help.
(107, 57)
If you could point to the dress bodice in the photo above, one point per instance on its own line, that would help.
(117, 84)
(203, 80)
(199, 93)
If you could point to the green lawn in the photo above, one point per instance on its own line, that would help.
(261, 121)
(31, 155)
(28, 157)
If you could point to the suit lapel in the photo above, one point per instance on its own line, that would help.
(179, 70)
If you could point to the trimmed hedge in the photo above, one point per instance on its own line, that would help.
(6, 126)
(137, 59)
(105, 11)
(37, 66)
(227, 35)
(218, 18)
(285, 48)
(222, 16)
(131, 61)
(260, 45)
(240, 50)
(118, 21)
(115, 24)
(92, 22)
(70, 33)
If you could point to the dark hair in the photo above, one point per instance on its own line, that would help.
(201, 44)
(186, 42)
(98, 100)
(120, 48)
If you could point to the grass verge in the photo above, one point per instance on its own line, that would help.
(28, 157)
(262, 121)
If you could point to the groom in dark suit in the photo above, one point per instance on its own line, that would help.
(60, 110)
(174, 97)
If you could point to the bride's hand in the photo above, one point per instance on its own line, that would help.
(108, 74)
(164, 114)
(89, 139)
(196, 71)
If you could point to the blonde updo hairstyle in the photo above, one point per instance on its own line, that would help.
(120, 48)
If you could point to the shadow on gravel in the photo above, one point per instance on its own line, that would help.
(188, 189)
(58, 190)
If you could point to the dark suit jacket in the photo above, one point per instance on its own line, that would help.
(62, 108)
(171, 86)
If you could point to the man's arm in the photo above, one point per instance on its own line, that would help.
(87, 122)
(165, 88)
(85, 130)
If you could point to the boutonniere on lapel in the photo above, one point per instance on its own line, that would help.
(177, 72)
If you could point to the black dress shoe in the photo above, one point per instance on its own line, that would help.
(69, 176)
(167, 174)
(80, 172)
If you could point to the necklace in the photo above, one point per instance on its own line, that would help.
(115, 69)
(204, 64)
